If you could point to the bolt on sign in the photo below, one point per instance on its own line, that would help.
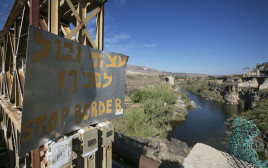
(68, 86)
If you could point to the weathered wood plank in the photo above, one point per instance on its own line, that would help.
(13, 113)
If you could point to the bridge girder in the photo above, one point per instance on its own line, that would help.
(66, 18)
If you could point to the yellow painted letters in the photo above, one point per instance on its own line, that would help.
(29, 130)
(52, 122)
(40, 121)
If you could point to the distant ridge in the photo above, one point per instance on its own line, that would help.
(144, 69)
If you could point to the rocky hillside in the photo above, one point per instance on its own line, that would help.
(144, 69)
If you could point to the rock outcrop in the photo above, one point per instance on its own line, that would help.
(232, 94)
(169, 153)
(264, 85)
(204, 156)
(193, 105)
(180, 107)
(251, 83)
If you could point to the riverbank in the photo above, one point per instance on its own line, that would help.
(206, 123)
(253, 100)
(228, 92)
(201, 87)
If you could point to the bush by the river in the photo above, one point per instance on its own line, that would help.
(259, 115)
(157, 92)
(135, 123)
(149, 111)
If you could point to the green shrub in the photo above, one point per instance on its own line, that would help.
(158, 111)
(136, 96)
(163, 92)
(259, 115)
(135, 123)
(155, 105)
(157, 102)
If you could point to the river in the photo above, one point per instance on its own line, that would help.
(205, 124)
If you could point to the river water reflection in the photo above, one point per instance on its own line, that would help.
(205, 124)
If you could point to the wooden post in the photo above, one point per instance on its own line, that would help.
(82, 11)
(34, 21)
(35, 158)
(100, 28)
(53, 16)
(34, 13)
